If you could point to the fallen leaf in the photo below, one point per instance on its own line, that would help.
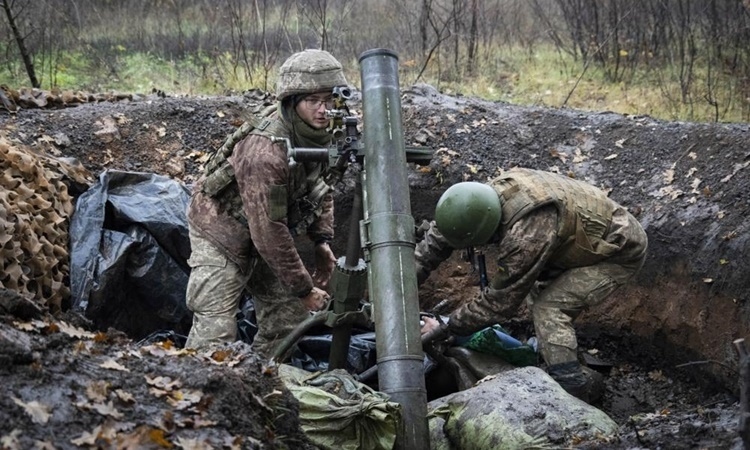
(10, 441)
(97, 391)
(157, 436)
(184, 399)
(669, 176)
(158, 393)
(657, 375)
(473, 168)
(221, 355)
(114, 365)
(75, 331)
(236, 442)
(555, 153)
(24, 326)
(579, 156)
(165, 383)
(723, 261)
(40, 413)
(194, 422)
(124, 396)
(192, 444)
(87, 438)
(107, 409)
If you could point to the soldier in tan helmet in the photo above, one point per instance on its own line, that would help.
(250, 204)
(563, 245)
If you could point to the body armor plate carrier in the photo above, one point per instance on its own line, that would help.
(220, 182)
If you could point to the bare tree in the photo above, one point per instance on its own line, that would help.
(11, 14)
(317, 14)
(473, 38)
(237, 28)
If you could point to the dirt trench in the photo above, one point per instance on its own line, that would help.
(687, 183)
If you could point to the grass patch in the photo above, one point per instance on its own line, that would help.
(543, 77)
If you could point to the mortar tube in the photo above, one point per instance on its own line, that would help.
(390, 243)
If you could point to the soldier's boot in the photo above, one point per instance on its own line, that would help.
(579, 381)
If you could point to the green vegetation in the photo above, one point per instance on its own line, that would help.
(674, 59)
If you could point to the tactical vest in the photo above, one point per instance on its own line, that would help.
(306, 201)
(585, 212)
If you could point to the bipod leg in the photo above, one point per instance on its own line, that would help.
(349, 284)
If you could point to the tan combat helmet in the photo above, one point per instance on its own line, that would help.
(309, 71)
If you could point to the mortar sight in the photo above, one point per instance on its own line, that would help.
(342, 92)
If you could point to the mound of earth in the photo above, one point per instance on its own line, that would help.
(664, 342)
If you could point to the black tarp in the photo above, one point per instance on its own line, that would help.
(129, 246)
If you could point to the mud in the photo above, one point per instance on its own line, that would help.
(665, 342)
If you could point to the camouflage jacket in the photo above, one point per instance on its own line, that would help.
(542, 232)
(269, 188)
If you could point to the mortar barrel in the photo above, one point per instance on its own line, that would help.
(390, 246)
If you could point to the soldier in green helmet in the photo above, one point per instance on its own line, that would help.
(251, 203)
(563, 246)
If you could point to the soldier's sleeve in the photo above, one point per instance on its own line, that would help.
(524, 252)
(430, 251)
(262, 172)
(321, 230)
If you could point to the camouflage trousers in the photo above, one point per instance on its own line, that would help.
(556, 305)
(214, 290)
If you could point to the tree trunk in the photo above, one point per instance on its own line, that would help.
(28, 61)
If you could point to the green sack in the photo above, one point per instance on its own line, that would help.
(496, 341)
(337, 412)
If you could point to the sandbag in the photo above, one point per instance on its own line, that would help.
(337, 412)
(519, 409)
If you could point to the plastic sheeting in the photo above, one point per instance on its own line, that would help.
(129, 248)
(313, 352)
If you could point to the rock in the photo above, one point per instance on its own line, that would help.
(15, 346)
(107, 131)
(11, 302)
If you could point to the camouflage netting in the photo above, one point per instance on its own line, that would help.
(25, 98)
(35, 207)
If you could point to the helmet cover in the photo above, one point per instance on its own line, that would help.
(307, 72)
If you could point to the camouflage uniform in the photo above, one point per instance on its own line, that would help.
(563, 246)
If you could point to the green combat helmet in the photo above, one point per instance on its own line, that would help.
(309, 71)
(468, 213)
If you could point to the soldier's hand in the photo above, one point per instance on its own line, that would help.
(430, 324)
(315, 300)
(325, 261)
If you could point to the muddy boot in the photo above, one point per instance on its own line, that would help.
(579, 381)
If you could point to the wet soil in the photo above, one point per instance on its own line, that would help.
(665, 342)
